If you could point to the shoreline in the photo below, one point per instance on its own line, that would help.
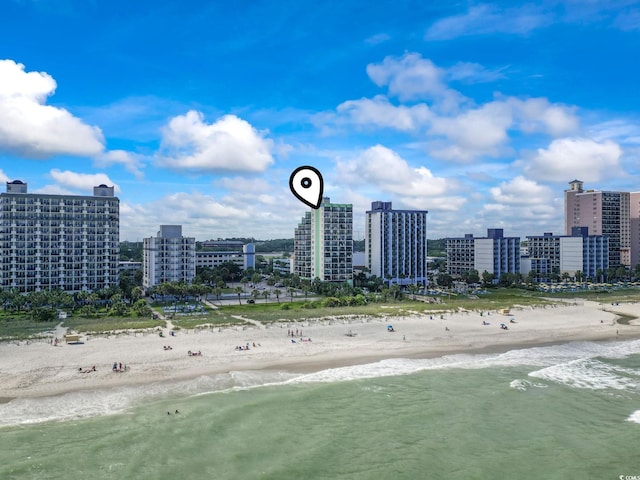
(42, 370)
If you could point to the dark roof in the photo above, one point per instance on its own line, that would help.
(17, 182)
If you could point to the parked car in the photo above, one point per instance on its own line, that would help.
(251, 300)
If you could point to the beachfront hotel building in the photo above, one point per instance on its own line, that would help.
(494, 254)
(396, 244)
(219, 252)
(168, 257)
(605, 213)
(323, 243)
(67, 242)
(550, 254)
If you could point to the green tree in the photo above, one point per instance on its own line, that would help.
(487, 278)
(136, 294)
(119, 309)
(277, 293)
(239, 291)
(255, 293)
(43, 314)
(141, 308)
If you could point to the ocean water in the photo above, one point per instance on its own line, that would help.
(560, 412)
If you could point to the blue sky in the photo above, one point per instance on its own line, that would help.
(199, 111)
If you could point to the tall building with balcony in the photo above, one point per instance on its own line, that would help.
(396, 244)
(323, 243)
(168, 257)
(494, 254)
(603, 213)
(550, 254)
(67, 242)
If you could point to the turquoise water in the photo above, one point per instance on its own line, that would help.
(567, 411)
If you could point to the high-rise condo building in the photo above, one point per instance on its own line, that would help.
(68, 242)
(494, 254)
(396, 244)
(168, 257)
(323, 243)
(550, 254)
(603, 213)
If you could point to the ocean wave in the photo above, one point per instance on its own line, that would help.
(102, 402)
(589, 373)
(536, 357)
(634, 417)
(569, 364)
(524, 385)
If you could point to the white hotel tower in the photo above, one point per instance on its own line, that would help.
(70, 242)
(396, 244)
(168, 257)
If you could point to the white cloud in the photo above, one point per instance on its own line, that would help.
(379, 112)
(384, 169)
(521, 191)
(412, 77)
(456, 129)
(81, 181)
(3, 177)
(537, 114)
(55, 190)
(479, 132)
(484, 131)
(378, 38)
(131, 161)
(488, 19)
(30, 128)
(618, 130)
(239, 213)
(569, 158)
(469, 72)
(229, 144)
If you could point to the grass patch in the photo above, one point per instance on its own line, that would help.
(213, 317)
(604, 296)
(273, 312)
(21, 327)
(107, 324)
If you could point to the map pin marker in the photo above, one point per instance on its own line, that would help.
(307, 185)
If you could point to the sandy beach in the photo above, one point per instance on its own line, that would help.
(41, 369)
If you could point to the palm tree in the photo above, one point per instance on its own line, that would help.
(239, 291)
(265, 294)
(136, 294)
(277, 293)
(255, 293)
(217, 291)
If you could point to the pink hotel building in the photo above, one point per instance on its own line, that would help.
(615, 214)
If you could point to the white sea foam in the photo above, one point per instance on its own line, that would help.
(84, 404)
(589, 373)
(537, 357)
(524, 385)
(634, 417)
(570, 364)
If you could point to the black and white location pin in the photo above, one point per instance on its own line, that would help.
(307, 185)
